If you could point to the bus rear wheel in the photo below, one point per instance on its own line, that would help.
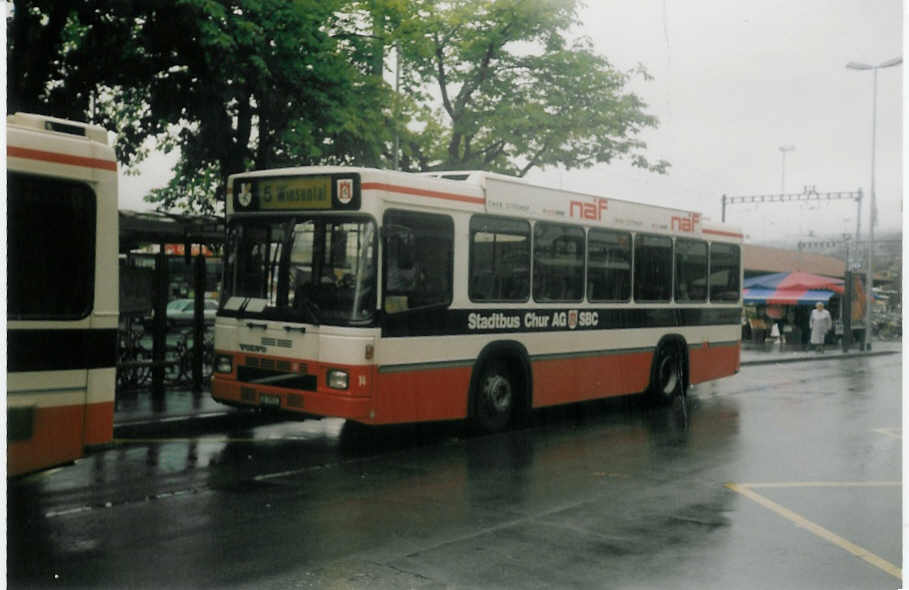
(494, 398)
(668, 382)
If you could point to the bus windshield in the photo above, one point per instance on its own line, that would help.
(315, 269)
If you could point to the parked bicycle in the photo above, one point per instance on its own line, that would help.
(134, 355)
(134, 367)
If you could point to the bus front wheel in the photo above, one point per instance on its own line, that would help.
(494, 398)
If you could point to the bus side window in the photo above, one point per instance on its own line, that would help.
(725, 269)
(608, 265)
(690, 270)
(419, 260)
(499, 259)
(652, 268)
(402, 270)
(558, 262)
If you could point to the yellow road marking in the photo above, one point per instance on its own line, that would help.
(891, 432)
(42, 474)
(823, 484)
(816, 529)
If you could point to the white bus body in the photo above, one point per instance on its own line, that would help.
(480, 331)
(62, 311)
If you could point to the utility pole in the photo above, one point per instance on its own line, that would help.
(783, 150)
(870, 268)
(396, 121)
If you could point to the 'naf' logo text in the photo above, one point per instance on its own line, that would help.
(686, 224)
(592, 211)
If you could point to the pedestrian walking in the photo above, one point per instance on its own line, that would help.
(819, 324)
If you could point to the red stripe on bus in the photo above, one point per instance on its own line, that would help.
(381, 186)
(58, 158)
(722, 233)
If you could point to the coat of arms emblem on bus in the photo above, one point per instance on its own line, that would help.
(345, 190)
(245, 196)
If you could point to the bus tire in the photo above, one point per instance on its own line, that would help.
(494, 398)
(668, 375)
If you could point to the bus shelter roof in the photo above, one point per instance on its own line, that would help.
(152, 227)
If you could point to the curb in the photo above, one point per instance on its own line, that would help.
(192, 423)
(848, 355)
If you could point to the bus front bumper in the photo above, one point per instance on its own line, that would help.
(339, 404)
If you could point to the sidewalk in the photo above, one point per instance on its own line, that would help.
(137, 414)
(770, 353)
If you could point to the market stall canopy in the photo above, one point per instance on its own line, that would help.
(790, 288)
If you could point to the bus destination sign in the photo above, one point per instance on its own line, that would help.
(306, 192)
(295, 193)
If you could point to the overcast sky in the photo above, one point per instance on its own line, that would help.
(733, 82)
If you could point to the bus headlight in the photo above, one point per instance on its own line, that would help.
(223, 363)
(338, 379)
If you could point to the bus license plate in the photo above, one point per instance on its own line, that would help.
(268, 399)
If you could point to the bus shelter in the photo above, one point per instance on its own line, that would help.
(145, 291)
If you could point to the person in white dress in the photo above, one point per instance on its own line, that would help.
(819, 323)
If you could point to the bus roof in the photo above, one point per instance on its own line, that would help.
(508, 195)
(53, 124)
(58, 147)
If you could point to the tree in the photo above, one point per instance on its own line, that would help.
(255, 84)
(515, 93)
(233, 84)
(252, 84)
(66, 57)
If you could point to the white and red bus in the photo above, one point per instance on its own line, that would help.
(62, 297)
(387, 297)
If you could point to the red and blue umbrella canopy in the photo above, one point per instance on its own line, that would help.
(790, 288)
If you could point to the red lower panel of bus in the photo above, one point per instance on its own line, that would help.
(423, 394)
(560, 381)
(712, 362)
(321, 403)
(60, 435)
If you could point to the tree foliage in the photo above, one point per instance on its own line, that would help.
(252, 84)
(516, 93)
(244, 84)
(232, 84)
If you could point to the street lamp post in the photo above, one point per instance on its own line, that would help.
(869, 271)
(783, 150)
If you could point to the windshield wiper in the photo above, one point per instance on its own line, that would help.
(309, 306)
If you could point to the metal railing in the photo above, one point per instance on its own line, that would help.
(135, 361)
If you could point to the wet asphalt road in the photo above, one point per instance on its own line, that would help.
(785, 476)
